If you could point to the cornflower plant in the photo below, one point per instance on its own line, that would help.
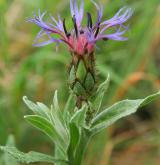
(72, 128)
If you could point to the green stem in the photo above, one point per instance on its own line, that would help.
(83, 143)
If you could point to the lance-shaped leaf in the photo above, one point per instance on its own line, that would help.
(7, 158)
(57, 114)
(30, 157)
(117, 111)
(98, 97)
(69, 107)
(58, 120)
(46, 127)
(74, 140)
(38, 109)
(79, 116)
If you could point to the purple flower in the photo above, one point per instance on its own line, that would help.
(80, 39)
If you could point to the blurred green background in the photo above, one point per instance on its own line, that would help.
(134, 67)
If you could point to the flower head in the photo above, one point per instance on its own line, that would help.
(80, 39)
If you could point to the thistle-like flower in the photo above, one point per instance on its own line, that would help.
(81, 40)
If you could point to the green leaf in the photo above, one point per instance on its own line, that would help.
(59, 154)
(56, 112)
(60, 127)
(55, 101)
(59, 122)
(46, 127)
(7, 158)
(38, 109)
(44, 109)
(77, 124)
(71, 102)
(79, 116)
(31, 157)
(82, 146)
(50, 121)
(69, 108)
(32, 106)
(74, 140)
(119, 110)
(97, 99)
